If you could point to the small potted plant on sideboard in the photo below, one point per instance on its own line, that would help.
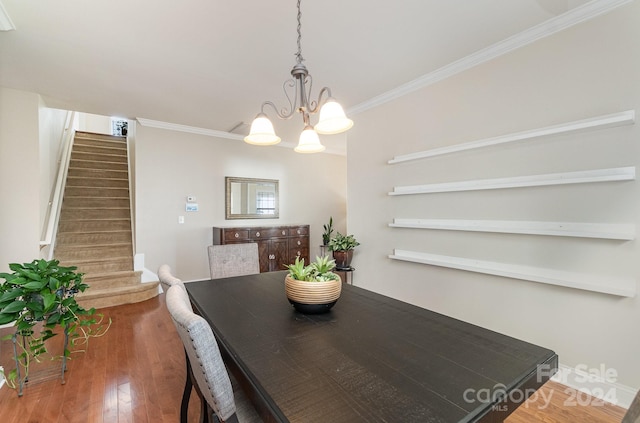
(328, 231)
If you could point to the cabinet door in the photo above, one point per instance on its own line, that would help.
(263, 255)
(278, 254)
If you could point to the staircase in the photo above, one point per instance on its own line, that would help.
(94, 231)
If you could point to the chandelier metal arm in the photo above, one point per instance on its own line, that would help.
(315, 105)
(284, 113)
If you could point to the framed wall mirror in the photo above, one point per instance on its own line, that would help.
(250, 198)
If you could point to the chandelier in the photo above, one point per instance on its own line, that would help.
(332, 119)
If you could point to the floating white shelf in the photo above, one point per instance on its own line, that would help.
(600, 122)
(623, 287)
(567, 229)
(580, 177)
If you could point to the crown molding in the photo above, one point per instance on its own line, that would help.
(214, 133)
(5, 21)
(559, 23)
(189, 129)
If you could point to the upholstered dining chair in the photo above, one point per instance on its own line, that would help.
(205, 369)
(167, 280)
(633, 413)
(233, 260)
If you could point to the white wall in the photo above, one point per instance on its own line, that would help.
(19, 177)
(588, 70)
(51, 131)
(172, 165)
(94, 123)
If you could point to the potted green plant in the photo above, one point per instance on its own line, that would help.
(42, 293)
(328, 230)
(313, 288)
(342, 247)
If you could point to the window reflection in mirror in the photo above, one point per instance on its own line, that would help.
(250, 198)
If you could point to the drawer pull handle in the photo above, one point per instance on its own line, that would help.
(299, 253)
(237, 235)
(284, 232)
(299, 231)
(272, 256)
(258, 234)
(299, 243)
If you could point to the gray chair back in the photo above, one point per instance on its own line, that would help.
(167, 280)
(204, 355)
(233, 260)
(633, 414)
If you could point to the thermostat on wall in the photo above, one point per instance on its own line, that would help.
(192, 207)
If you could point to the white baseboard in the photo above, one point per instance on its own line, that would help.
(599, 383)
(138, 261)
(147, 275)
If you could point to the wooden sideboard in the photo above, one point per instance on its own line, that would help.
(277, 245)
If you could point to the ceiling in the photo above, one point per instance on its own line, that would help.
(211, 63)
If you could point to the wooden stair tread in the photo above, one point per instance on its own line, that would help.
(102, 232)
(94, 170)
(97, 161)
(99, 298)
(101, 197)
(84, 186)
(118, 157)
(93, 208)
(93, 179)
(96, 260)
(103, 220)
(98, 292)
(83, 142)
(118, 273)
(116, 139)
(84, 246)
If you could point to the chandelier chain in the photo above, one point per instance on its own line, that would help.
(299, 57)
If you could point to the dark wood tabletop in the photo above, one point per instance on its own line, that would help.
(370, 359)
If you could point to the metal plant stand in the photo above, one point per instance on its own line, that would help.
(21, 380)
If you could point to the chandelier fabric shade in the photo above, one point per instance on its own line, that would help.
(332, 119)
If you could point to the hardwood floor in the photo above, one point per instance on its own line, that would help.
(135, 373)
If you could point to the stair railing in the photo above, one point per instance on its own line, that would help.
(130, 137)
(55, 200)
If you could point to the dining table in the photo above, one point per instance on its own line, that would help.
(370, 358)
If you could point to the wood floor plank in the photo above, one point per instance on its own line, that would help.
(135, 373)
(558, 403)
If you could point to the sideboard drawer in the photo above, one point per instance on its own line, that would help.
(299, 242)
(266, 233)
(298, 231)
(234, 235)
